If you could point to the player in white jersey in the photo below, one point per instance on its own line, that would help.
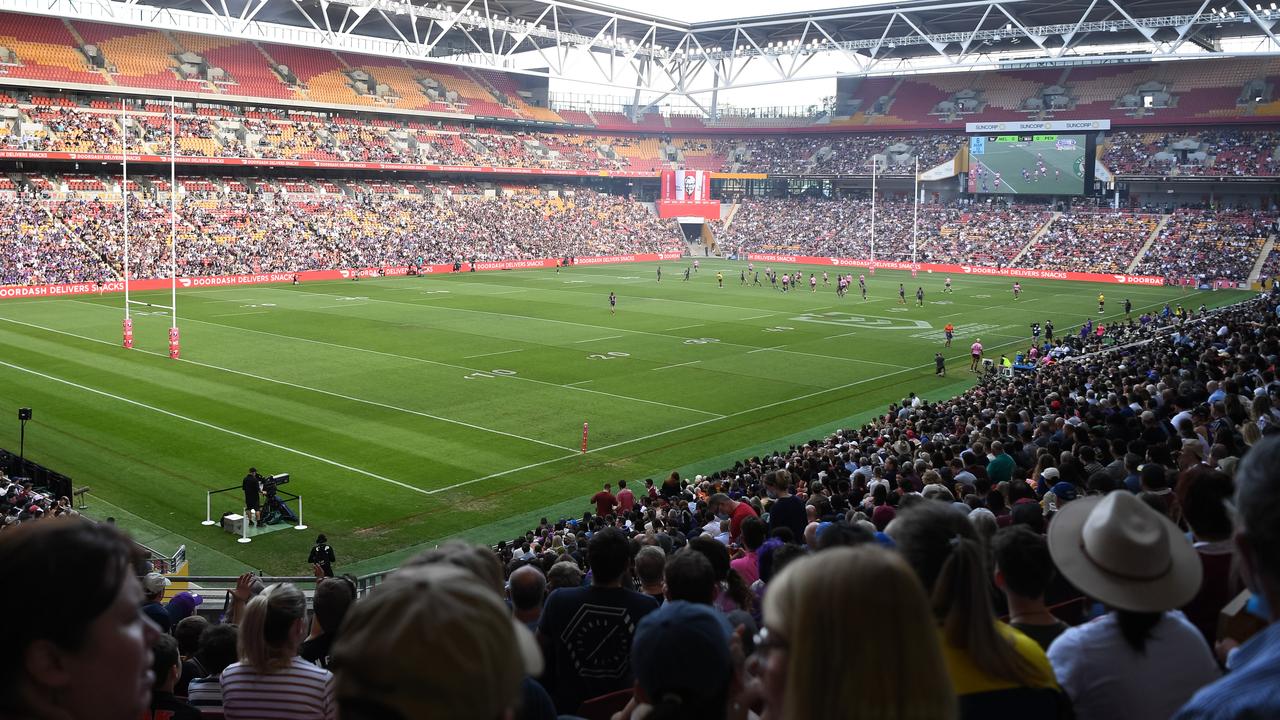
(947, 285)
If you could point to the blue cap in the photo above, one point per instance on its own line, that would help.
(682, 649)
(1064, 491)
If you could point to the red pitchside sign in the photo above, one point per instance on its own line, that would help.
(9, 292)
(963, 269)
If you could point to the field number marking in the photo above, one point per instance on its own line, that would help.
(779, 328)
(490, 374)
(608, 356)
(259, 305)
(701, 341)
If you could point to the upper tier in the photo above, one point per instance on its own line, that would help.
(51, 52)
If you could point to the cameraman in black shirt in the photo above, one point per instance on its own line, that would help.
(252, 487)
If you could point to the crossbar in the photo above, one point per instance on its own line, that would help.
(147, 304)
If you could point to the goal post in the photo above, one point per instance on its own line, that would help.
(129, 302)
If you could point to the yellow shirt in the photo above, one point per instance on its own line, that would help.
(967, 678)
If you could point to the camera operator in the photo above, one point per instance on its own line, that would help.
(252, 487)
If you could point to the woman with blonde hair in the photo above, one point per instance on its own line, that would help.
(271, 680)
(995, 670)
(847, 635)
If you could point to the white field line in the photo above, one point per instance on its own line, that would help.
(500, 352)
(665, 367)
(218, 428)
(247, 312)
(834, 357)
(425, 361)
(611, 337)
(308, 388)
(650, 436)
(637, 332)
(683, 327)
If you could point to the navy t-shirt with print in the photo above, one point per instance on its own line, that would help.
(586, 640)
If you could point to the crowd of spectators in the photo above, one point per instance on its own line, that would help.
(33, 249)
(1223, 245)
(224, 230)
(305, 135)
(83, 240)
(1102, 241)
(1048, 544)
(977, 233)
(845, 154)
(1227, 152)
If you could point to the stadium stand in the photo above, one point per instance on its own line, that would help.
(1103, 241)
(730, 589)
(222, 231)
(1193, 243)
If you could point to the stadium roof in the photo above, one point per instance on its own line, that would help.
(630, 47)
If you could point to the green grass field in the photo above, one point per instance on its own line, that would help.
(412, 409)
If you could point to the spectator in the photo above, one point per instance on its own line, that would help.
(564, 574)
(626, 498)
(1249, 688)
(651, 564)
(689, 577)
(588, 659)
(83, 655)
(731, 592)
(527, 589)
(333, 599)
(605, 501)
(787, 509)
(996, 671)
(1203, 495)
(457, 650)
(217, 651)
(753, 536)
(153, 585)
(182, 605)
(166, 666)
(187, 632)
(734, 511)
(270, 679)
(1023, 570)
(683, 664)
(1000, 468)
(1139, 660)
(890, 663)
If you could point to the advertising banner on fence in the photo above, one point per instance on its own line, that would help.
(963, 269)
(8, 292)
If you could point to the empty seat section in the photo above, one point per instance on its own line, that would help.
(246, 66)
(46, 50)
(139, 58)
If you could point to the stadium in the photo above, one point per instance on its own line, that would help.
(529, 341)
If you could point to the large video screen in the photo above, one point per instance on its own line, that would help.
(1030, 164)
